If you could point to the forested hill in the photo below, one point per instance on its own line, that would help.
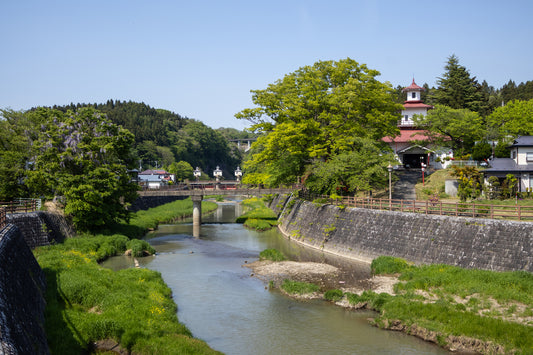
(163, 137)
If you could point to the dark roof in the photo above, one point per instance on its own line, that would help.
(523, 141)
(507, 165)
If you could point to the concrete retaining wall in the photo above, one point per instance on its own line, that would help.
(366, 234)
(22, 304)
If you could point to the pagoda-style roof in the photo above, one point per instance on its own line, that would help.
(413, 87)
(415, 104)
(408, 135)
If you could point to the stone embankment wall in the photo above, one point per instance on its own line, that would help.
(423, 239)
(40, 228)
(22, 304)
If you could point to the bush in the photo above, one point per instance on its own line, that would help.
(388, 265)
(333, 295)
(271, 254)
(298, 287)
(139, 247)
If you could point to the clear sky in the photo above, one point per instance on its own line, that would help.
(200, 59)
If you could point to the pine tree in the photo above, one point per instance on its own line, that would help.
(456, 89)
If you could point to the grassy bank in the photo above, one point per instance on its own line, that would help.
(450, 305)
(134, 308)
(258, 217)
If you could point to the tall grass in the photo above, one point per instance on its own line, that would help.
(298, 287)
(272, 254)
(258, 217)
(86, 302)
(455, 301)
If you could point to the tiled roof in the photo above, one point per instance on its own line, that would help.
(408, 135)
(415, 104)
(523, 141)
(500, 165)
(413, 87)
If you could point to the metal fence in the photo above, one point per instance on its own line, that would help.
(3, 218)
(458, 209)
(20, 205)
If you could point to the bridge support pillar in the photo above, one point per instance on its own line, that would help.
(196, 214)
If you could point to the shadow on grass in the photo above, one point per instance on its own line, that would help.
(62, 336)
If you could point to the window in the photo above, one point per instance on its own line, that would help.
(513, 154)
(529, 156)
(406, 117)
(413, 95)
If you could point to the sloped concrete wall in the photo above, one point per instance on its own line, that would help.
(22, 304)
(366, 234)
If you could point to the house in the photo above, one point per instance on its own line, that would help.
(412, 147)
(520, 164)
(154, 179)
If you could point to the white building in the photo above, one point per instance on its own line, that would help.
(412, 146)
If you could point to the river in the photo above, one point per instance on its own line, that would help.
(223, 304)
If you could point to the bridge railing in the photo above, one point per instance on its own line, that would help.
(3, 218)
(458, 209)
(21, 205)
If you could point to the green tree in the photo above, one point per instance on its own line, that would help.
(16, 135)
(482, 151)
(513, 119)
(456, 128)
(82, 157)
(456, 89)
(182, 170)
(314, 114)
(362, 169)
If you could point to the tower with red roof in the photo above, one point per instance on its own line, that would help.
(412, 147)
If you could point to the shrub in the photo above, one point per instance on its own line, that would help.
(388, 265)
(298, 287)
(271, 254)
(333, 295)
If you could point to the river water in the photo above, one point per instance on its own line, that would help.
(235, 313)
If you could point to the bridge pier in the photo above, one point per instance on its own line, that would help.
(196, 214)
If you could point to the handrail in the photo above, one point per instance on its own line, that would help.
(457, 209)
(19, 206)
(3, 218)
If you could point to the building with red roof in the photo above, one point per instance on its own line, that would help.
(413, 146)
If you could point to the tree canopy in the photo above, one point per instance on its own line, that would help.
(457, 128)
(80, 156)
(314, 114)
(513, 119)
(456, 89)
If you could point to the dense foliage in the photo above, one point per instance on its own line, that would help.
(315, 114)
(163, 137)
(80, 156)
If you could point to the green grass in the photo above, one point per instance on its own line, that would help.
(86, 302)
(453, 299)
(258, 217)
(272, 254)
(298, 287)
(333, 295)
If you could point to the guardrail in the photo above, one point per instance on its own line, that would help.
(458, 209)
(22, 205)
(3, 218)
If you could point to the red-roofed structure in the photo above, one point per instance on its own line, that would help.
(413, 146)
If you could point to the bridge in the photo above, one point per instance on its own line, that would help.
(197, 195)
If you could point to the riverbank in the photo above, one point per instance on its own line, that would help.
(435, 302)
(92, 309)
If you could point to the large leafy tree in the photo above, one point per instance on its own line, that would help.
(456, 128)
(456, 89)
(313, 115)
(513, 119)
(83, 157)
(16, 134)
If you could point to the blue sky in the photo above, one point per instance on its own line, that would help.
(200, 59)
